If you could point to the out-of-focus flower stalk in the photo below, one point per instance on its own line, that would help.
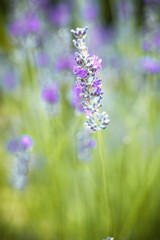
(21, 169)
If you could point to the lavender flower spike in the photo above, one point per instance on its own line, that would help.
(88, 82)
(21, 168)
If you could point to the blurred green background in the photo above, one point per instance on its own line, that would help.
(66, 198)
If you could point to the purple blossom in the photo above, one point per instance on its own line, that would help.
(91, 11)
(80, 72)
(28, 24)
(50, 93)
(88, 82)
(33, 23)
(12, 145)
(43, 59)
(88, 113)
(92, 143)
(9, 80)
(21, 168)
(97, 63)
(156, 40)
(26, 142)
(150, 65)
(17, 29)
(146, 45)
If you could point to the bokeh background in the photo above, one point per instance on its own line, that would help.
(61, 192)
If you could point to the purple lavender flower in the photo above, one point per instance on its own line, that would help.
(26, 143)
(156, 40)
(21, 147)
(92, 143)
(150, 65)
(60, 15)
(43, 59)
(89, 82)
(80, 72)
(9, 80)
(12, 145)
(50, 93)
(28, 24)
(91, 11)
(17, 29)
(146, 45)
(33, 23)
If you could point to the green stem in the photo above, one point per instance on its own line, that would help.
(107, 199)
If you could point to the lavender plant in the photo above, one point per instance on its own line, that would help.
(50, 95)
(22, 149)
(88, 82)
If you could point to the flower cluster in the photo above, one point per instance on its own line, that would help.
(22, 149)
(9, 80)
(50, 95)
(88, 82)
(150, 65)
(28, 24)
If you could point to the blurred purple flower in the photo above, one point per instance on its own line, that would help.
(150, 65)
(28, 24)
(12, 145)
(64, 63)
(146, 45)
(26, 142)
(156, 40)
(9, 80)
(33, 23)
(91, 11)
(50, 93)
(92, 143)
(21, 168)
(43, 59)
(17, 29)
(60, 15)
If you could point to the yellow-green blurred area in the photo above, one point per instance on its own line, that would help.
(115, 190)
